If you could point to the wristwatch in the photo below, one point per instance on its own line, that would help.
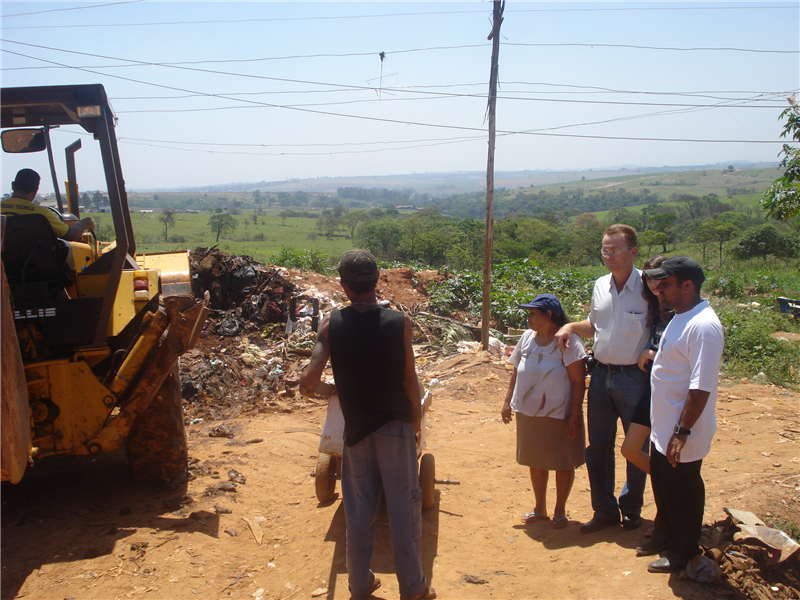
(681, 430)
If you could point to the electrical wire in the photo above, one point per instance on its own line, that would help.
(52, 10)
(391, 15)
(420, 124)
(305, 82)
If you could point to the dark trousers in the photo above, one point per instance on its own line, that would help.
(680, 496)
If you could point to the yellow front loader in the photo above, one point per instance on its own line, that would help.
(91, 335)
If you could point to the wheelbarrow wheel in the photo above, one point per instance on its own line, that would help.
(325, 477)
(427, 479)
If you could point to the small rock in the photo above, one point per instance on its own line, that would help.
(221, 510)
(255, 441)
(221, 431)
(319, 592)
(234, 475)
(231, 532)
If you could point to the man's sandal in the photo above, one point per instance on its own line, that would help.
(376, 583)
(533, 516)
(427, 594)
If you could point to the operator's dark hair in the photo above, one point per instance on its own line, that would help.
(653, 305)
(26, 181)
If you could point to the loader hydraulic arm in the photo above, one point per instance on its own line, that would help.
(137, 380)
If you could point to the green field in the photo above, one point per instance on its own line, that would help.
(194, 230)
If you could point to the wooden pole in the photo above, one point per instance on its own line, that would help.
(497, 20)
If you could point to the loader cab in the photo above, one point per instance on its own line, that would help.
(97, 293)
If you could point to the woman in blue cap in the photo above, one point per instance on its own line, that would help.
(546, 392)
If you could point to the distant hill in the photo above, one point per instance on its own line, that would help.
(448, 184)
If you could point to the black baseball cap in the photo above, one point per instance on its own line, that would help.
(26, 181)
(682, 266)
(357, 266)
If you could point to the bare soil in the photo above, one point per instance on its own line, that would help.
(249, 525)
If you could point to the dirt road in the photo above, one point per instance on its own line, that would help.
(82, 530)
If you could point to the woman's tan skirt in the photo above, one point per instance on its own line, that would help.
(542, 443)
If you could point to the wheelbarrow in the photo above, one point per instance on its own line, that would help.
(331, 446)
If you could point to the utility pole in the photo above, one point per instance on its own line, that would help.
(497, 20)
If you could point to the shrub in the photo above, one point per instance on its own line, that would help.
(725, 286)
(750, 349)
(310, 260)
(513, 282)
(259, 237)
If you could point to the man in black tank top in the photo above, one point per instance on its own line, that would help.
(373, 367)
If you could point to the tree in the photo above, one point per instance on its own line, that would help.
(380, 237)
(283, 215)
(353, 218)
(692, 204)
(722, 232)
(222, 223)
(765, 241)
(167, 219)
(713, 232)
(650, 238)
(782, 199)
(328, 224)
(702, 238)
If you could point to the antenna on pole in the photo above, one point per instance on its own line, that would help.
(497, 20)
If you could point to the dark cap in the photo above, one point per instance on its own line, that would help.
(357, 265)
(545, 302)
(682, 266)
(26, 181)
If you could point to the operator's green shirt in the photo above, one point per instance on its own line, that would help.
(17, 206)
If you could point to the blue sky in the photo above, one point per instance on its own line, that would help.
(217, 92)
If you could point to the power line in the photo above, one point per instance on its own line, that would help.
(402, 51)
(52, 10)
(420, 124)
(305, 82)
(391, 15)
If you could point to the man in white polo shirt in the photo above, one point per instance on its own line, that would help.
(684, 383)
(617, 323)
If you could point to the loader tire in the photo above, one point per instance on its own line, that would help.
(157, 449)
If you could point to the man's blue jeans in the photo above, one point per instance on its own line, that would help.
(613, 396)
(386, 459)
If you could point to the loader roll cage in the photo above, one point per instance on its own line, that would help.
(88, 107)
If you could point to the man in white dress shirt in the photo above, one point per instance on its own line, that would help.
(617, 323)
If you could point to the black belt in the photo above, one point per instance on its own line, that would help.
(617, 368)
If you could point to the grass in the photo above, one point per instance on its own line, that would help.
(192, 230)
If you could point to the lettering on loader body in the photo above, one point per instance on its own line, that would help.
(34, 313)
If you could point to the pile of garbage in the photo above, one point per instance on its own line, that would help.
(257, 340)
(245, 294)
(747, 555)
